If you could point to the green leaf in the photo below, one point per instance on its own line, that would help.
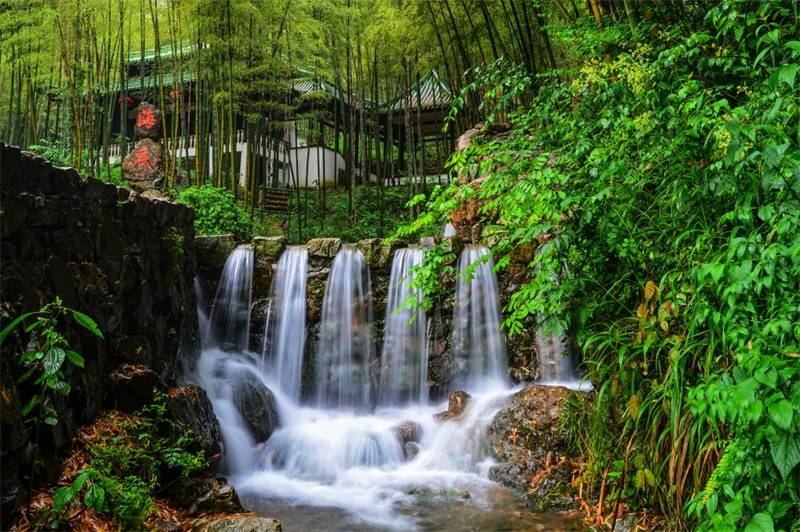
(95, 497)
(761, 522)
(10, 326)
(87, 323)
(75, 358)
(35, 400)
(53, 360)
(50, 420)
(787, 73)
(785, 451)
(781, 413)
(62, 497)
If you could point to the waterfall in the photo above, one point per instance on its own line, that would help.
(285, 335)
(394, 466)
(229, 322)
(555, 364)
(404, 371)
(345, 350)
(478, 343)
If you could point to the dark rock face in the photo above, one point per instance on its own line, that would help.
(256, 405)
(133, 387)
(191, 409)
(525, 437)
(126, 261)
(456, 405)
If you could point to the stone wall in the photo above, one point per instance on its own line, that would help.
(213, 250)
(127, 261)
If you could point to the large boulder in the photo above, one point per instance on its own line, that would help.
(324, 247)
(191, 409)
(456, 405)
(143, 166)
(204, 495)
(244, 522)
(267, 250)
(532, 448)
(256, 405)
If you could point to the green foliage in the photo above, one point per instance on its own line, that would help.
(130, 466)
(375, 216)
(59, 155)
(46, 355)
(216, 211)
(53, 151)
(666, 176)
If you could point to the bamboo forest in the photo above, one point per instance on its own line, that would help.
(418, 265)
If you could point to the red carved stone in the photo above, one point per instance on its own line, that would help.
(143, 165)
(148, 121)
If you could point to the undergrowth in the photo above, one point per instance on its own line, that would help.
(664, 172)
(133, 461)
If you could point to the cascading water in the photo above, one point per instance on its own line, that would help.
(555, 364)
(478, 342)
(336, 464)
(345, 351)
(285, 335)
(229, 322)
(404, 372)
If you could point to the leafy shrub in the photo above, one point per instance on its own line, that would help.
(666, 178)
(46, 355)
(216, 211)
(129, 466)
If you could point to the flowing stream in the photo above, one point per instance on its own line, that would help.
(337, 460)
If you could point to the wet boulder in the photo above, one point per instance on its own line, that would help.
(408, 434)
(324, 247)
(532, 448)
(133, 386)
(456, 405)
(244, 522)
(256, 405)
(191, 409)
(204, 495)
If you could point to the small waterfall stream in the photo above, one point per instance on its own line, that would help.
(337, 459)
(229, 322)
(479, 346)
(404, 371)
(285, 335)
(346, 351)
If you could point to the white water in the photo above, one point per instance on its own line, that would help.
(229, 322)
(338, 452)
(478, 343)
(285, 335)
(346, 352)
(404, 372)
(356, 463)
